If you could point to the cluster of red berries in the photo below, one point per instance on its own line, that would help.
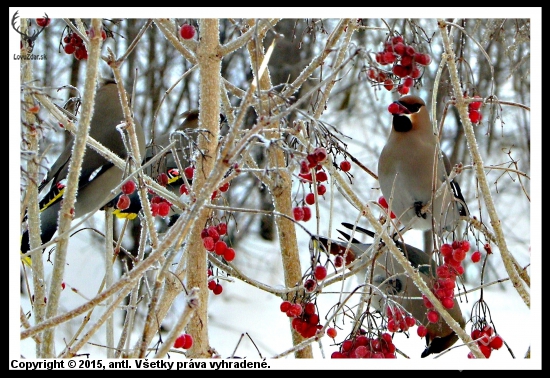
(213, 285)
(187, 31)
(74, 45)
(363, 346)
(319, 274)
(406, 64)
(473, 109)
(382, 201)
(398, 320)
(306, 320)
(124, 201)
(486, 340)
(339, 251)
(443, 288)
(212, 242)
(184, 341)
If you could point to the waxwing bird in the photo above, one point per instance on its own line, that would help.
(98, 176)
(394, 286)
(406, 169)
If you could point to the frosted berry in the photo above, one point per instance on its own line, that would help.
(298, 213)
(128, 187)
(123, 202)
(310, 198)
(187, 31)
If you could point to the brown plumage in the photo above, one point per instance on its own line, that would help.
(98, 176)
(406, 166)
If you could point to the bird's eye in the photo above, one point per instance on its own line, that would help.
(413, 108)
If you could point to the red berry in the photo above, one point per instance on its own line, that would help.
(220, 247)
(69, 49)
(310, 198)
(81, 53)
(476, 256)
(338, 261)
(187, 31)
(345, 165)
(321, 176)
(128, 187)
(448, 302)
(307, 213)
(446, 249)
(211, 285)
(298, 213)
(218, 289)
(188, 342)
(475, 116)
(331, 332)
(43, 22)
(421, 331)
(433, 316)
(204, 233)
(475, 105)
(63, 288)
(394, 108)
(189, 171)
(222, 228)
(213, 233)
(496, 342)
(180, 341)
(184, 189)
(162, 179)
(459, 254)
(123, 202)
(382, 201)
(208, 243)
(320, 154)
(320, 272)
(224, 187)
(402, 89)
(486, 350)
(422, 59)
(164, 209)
(408, 82)
(285, 306)
(229, 254)
(321, 189)
(310, 285)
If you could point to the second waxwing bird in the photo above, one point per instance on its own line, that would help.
(98, 176)
(406, 171)
(394, 286)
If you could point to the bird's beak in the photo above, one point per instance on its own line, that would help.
(399, 109)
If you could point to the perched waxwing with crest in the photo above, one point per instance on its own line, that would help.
(406, 171)
(98, 176)
(394, 288)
